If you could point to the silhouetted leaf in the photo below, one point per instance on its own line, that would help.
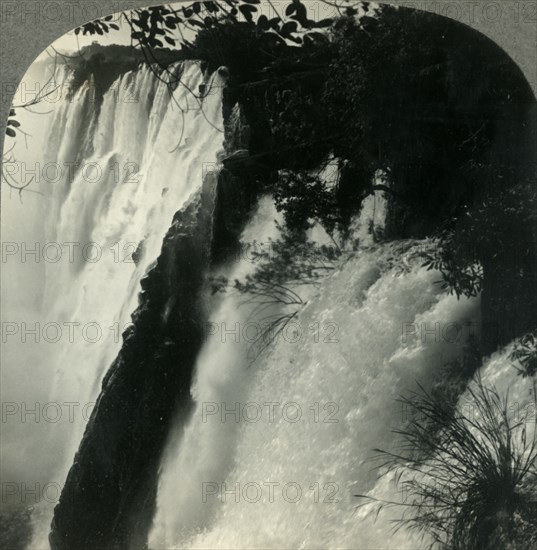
(171, 22)
(211, 7)
(288, 28)
(323, 23)
(10, 132)
(262, 23)
(248, 11)
(274, 23)
(291, 8)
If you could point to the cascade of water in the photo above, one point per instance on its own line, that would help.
(200, 449)
(273, 452)
(133, 167)
(335, 392)
(307, 415)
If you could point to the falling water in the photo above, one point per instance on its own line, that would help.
(305, 417)
(275, 449)
(137, 161)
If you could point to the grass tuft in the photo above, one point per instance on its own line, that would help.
(471, 482)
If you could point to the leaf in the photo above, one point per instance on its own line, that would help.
(248, 11)
(77, 30)
(10, 132)
(301, 12)
(171, 22)
(211, 7)
(288, 28)
(114, 26)
(274, 23)
(252, 1)
(262, 23)
(323, 23)
(13, 122)
(196, 6)
(109, 18)
(170, 41)
(291, 8)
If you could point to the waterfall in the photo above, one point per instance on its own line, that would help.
(135, 162)
(274, 450)
(231, 475)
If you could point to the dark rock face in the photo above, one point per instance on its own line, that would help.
(109, 497)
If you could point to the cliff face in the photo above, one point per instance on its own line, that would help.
(110, 492)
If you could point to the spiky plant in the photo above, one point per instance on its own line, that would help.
(525, 353)
(471, 482)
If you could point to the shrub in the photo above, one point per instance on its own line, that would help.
(500, 233)
(287, 263)
(525, 353)
(471, 483)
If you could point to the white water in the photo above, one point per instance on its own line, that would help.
(126, 190)
(342, 365)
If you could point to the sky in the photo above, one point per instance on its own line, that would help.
(71, 43)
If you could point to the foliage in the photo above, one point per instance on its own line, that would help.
(12, 123)
(272, 288)
(304, 198)
(397, 103)
(501, 229)
(98, 26)
(462, 278)
(151, 27)
(525, 353)
(377, 88)
(466, 483)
